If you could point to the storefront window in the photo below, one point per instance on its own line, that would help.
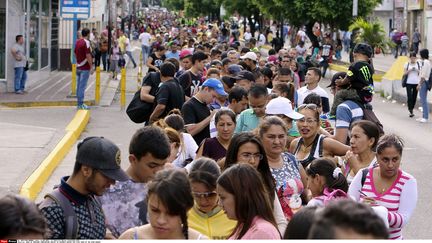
(2, 39)
(34, 34)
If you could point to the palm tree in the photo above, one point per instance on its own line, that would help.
(372, 33)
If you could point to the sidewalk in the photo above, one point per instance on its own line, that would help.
(35, 131)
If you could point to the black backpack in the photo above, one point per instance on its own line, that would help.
(71, 220)
(138, 110)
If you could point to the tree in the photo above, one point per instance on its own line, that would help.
(195, 8)
(372, 33)
(245, 8)
(173, 4)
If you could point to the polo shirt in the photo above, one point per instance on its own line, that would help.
(247, 121)
(82, 48)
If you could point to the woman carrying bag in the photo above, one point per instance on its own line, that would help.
(410, 80)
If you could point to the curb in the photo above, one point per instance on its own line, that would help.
(34, 184)
(377, 77)
(44, 103)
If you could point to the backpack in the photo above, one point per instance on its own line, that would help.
(369, 115)
(71, 220)
(138, 110)
(330, 195)
(364, 172)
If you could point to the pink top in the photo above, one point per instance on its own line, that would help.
(400, 199)
(260, 230)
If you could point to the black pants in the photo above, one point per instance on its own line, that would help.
(412, 96)
(97, 57)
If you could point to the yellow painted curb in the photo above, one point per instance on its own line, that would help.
(34, 184)
(377, 77)
(44, 103)
(396, 71)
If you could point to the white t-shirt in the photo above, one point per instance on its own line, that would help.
(261, 40)
(145, 38)
(304, 91)
(188, 150)
(247, 36)
(128, 45)
(414, 72)
(425, 69)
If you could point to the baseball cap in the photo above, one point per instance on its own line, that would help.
(185, 53)
(282, 106)
(216, 85)
(101, 154)
(250, 55)
(245, 75)
(335, 77)
(234, 69)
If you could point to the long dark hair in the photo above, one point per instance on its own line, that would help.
(205, 171)
(173, 190)
(263, 167)
(250, 196)
(326, 168)
(370, 129)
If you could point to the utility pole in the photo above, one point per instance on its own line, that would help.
(355, 8)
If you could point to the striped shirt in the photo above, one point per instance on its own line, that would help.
(347, 113)
(400, 199)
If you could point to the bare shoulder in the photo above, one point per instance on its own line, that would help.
(142, 232)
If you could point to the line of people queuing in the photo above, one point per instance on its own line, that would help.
(235, 148)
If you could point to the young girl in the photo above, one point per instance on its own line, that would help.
(325, 181)
(169, 199)
(244, 198)
(114, 58)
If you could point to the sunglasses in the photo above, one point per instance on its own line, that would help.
(201, 195)
(308, 106)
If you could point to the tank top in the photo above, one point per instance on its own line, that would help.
(315, 152)
(135, 235)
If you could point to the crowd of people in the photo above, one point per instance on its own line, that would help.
(235, 146)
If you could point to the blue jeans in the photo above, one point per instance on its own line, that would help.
(82, 78)
(20, 79)
(423, 100)
(129, 54)
(145, 52)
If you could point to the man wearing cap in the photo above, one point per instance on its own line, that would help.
(250, 58)
(244, 79)
(97, 167)
(185, 62)
(283, 108)
(195, 111)
(169, 95)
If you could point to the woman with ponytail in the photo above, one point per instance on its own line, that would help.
(325, 181)
(169, 200)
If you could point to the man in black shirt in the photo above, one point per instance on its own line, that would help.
(196, 114)
(191, 79)
(169, 95)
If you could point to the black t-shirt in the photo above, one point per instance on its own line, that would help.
(189, 82)
(360, 75)
(171, 95)
(157, 61)
(153, 80)
(193, 112)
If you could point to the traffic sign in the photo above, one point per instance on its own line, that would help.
(79, 9)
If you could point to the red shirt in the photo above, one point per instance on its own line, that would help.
(82, 48)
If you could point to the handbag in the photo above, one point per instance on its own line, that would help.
(139, 111)
(26, 68)
(404, 80)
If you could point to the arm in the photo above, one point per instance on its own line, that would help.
(355, 187)
(194, 129)
(149, 63)
(54, 217)
(279, 216)
(145, 94)
(407, 204)
(159, 109)
(199, 153)
(335, 147)
(15, 54)
(293, 145)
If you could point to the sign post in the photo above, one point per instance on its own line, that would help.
(74, 10)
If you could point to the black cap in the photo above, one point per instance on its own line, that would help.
(364, 49)
(101, 154)
(245, 75)
(335, 77)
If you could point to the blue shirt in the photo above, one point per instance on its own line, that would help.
(175, 55)
(347, 113)
(247, 121)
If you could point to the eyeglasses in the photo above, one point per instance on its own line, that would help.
(308, 121)
(308, 106)
(249, 156)
(206, 195)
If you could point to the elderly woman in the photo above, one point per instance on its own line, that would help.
(387, 185)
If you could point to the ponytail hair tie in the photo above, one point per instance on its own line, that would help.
(336, 172)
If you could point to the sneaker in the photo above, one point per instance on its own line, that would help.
(19, 92)
(83, 107)
(411, 115)
(422, 120)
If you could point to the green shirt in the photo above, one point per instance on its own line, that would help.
(247, 121)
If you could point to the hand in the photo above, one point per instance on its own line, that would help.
(418, 87)
(370, 201)
(351, 158)
(339, 81)
(329, 130)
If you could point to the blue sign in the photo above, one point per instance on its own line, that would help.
(79, 9)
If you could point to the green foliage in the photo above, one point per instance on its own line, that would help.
(372, 33)
(196, 8)
(173, 4)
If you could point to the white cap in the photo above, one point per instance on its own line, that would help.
(250, 55)
(282, 106)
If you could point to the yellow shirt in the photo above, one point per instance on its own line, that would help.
(216, 227)
(121, 42)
